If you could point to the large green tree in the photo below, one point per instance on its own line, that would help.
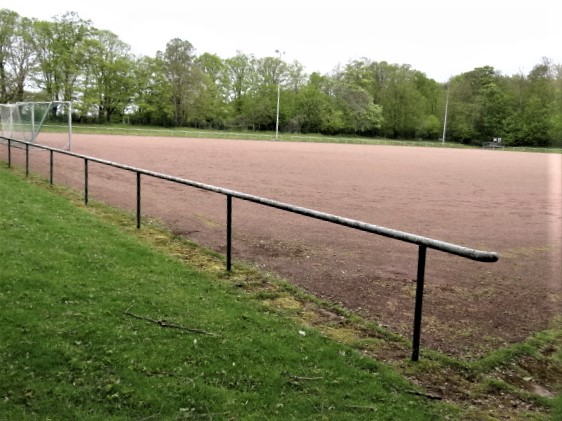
(184, 76)
(556, 126)
(152, 102)
(478, 106)
(8, 28)
(313, 105)
(538, 115)
(405, 98)
(17, 55)
(269, 77)
(241, 74)
(108, 81)
(212, 110)
(61, 47)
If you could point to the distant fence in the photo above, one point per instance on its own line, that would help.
(423, 243)
(288, 137)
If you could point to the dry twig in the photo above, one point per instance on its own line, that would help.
(298, 378)
(164, 323)
(425, 395)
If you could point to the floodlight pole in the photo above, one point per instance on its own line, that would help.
(69, 125)
(278, 97)
(446, 113)
(33, 121)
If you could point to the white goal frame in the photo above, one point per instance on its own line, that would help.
(15, 126)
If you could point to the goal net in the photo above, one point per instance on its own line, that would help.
(48, 123)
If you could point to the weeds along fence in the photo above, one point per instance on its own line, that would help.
(423, 243)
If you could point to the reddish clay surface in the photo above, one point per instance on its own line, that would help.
(490, 200)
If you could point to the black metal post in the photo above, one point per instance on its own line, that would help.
(26, 159)
(138, 200)
(228, 232)
(85, 181)
(419, 303)
(51, 167)
(9, 153)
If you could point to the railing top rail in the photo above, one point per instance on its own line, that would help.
(469, 253)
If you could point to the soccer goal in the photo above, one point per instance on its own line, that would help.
(48, 123)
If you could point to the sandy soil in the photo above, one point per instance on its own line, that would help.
(499, 201)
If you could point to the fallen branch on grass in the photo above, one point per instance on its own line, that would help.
(297, 378)
(425, 395)
(365, 407)
(164, 323)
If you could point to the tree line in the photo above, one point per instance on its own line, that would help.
(68, 59)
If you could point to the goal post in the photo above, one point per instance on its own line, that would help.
(47, 123)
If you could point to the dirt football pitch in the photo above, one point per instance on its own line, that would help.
(493, 200)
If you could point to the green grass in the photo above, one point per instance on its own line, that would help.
(125, 129)
(72, 348)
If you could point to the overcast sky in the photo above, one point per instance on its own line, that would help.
(438, 37)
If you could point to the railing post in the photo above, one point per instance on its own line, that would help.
(138, 200)
(228, 232)
(26, 159)
(51, 167)
(85, 181)
(419, 303)
(9, 153)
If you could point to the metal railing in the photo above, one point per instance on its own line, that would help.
(423, 243)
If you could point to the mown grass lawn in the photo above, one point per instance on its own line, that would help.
(96, 325)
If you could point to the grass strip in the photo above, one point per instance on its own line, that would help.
(70, 347)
